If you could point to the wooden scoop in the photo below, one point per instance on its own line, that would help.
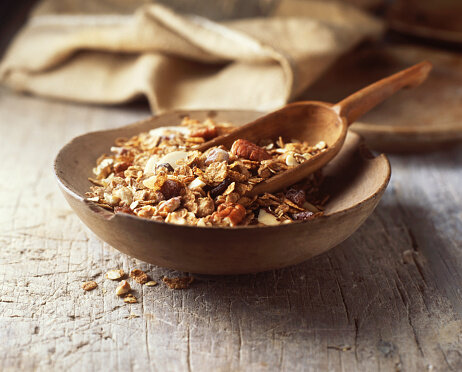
(313, 121)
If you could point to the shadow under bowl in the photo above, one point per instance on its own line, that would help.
(355, 181)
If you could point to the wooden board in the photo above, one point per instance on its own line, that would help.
(386, 299)
(422, 118)
(439, 21)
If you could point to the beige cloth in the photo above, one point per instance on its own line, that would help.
(181, 61)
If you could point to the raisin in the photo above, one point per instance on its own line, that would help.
(296, 196)
(166, 166)
(218, 190)
(170, 189)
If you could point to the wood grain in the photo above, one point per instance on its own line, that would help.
(386, 299)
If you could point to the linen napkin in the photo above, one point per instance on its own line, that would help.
(70, 51)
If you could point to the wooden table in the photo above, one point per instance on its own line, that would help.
(389, 298)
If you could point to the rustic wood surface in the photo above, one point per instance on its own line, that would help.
(389, 298)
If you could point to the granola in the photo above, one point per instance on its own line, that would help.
(115, 274)
(160, 175)
(123, 288)
(130, 299)
(89, 286)
(139, 276)
(178, 283)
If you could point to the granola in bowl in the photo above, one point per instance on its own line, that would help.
(160, 175)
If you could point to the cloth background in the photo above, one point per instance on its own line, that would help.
(113, 51)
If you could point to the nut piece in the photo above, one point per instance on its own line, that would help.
(124, 287)
(130, 299)
(216, 154)
(178, 283)
(151, 283)
(249, 150)
(168, 206)
(267, 218)
(115, 274)
(234, 212)
(290, 160)
(89, 286)
(173, 157)
(139, 276)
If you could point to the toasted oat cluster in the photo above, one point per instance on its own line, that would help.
(162, 176)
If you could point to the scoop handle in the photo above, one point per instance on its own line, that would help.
(364, 100)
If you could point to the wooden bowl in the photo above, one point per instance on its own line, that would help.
(355, 180)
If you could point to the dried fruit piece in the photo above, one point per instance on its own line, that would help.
(304, 216)
(235, 213)
(165, 166)
(170, 189)
(296, 196)
(249, 150)
(115, 274)
(151, 283)
(130, 299)
(218, 190)
(89, 286)
(124, 287)
(139, 276)
(178, 283)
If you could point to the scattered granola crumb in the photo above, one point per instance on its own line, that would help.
(178, 283)
(139, 276)
(151, 283)
(115, 274)
(132, 316)
(130, 299)
(123, 288)
(89, 286)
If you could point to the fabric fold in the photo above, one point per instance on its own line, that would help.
(183, 61)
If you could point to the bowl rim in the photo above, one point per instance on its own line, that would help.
(105, 214)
